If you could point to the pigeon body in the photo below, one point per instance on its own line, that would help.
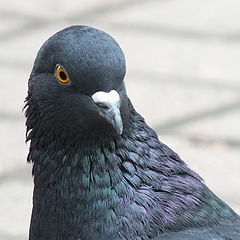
(100, 172)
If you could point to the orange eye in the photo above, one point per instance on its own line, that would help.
(62, 75)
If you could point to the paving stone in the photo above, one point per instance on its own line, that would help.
(220, 128)
(160, 102)
(55, 9)
(181, 57)
(206, 17)
(23, 48)
(12, 145)
(155, 50)
(15, 208)
(9, 24)
(13, 90)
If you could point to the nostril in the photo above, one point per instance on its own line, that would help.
(105, 107)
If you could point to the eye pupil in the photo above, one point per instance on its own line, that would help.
(63, 75)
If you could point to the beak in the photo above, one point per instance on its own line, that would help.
(109, 107)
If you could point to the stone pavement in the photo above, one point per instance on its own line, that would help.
(183, 75)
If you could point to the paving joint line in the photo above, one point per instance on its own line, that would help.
(202, 139)
(187, 81)
(15, 15)
(190, 118)
(7, 116)
(91, 13)
(175, 32)
(18, 173)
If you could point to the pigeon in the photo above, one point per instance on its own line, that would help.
(99, 171)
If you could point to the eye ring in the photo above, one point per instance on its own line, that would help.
(61, 75)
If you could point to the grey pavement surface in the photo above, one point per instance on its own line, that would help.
(183, 61)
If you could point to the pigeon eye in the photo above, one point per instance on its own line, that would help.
(62, 75)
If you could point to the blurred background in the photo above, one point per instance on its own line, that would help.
(183, 76)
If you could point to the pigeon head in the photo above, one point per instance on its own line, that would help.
(76, 86)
